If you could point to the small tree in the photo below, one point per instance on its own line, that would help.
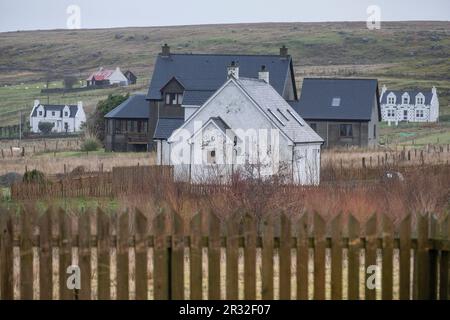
(69, 82)
(46, 127)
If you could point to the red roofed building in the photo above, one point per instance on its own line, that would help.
(104, 77)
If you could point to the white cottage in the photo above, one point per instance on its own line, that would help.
(66, 118)
(107, 77)
(244, 126)
(409, 106)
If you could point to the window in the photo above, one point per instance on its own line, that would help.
(419, 100)
(211, 157)
(391, 113)
(66, 114)
(419, 114)
(336, 102)
(405, 115)
(313, 126)
(53, 113)
(405, 99)
(174, 98)
(40, 113)
(374, 131)
(391, 100)
(346, 130)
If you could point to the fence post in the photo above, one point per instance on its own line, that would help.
(370, 253)
(302, 257)
(336, 257)
(6, 255)
(45, 256)
(267, 259)
(405, 258)
(319, 257)
(353, 258)
(387, 267)
(140, 222)
(84, 254)
(422, 263)
(195, 259)
(177, 267)
(285, 257)
(213, 257)
(161, 263)
(26, 253)
(444, 263)
(65, 253)
(103, 256)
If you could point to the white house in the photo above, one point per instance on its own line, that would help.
(244, 126)
(409, 106)
(107, 77)
(66, 118)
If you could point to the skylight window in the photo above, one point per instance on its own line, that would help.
(293, 115)
(283, 115)
(336, 102)
(276, 117)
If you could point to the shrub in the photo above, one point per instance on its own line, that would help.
(34, 176)
(90, 143)
(46, 127)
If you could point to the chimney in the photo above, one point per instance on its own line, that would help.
(165, 50)
(36, 103)
(434, 91)
(80, 105)
(263, 74)
(233, 70)
(383, 90)
(283, 51)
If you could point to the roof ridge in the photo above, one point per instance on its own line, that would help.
(229, 54)
(334, 78)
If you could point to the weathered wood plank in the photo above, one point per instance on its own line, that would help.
(353, 258)
(177, 269)
(6, 255)
(26, 253)
(214, 257)
(267, 258)
(444, 263)
(285, 257)
(319, 257)
(250, 257)
(302, 258)
(65, 253)
(195, 258)
(103, 256)
(422, 267)
(84, 254)
(123, 236)
(161, 262)
(433, 259)
(387, 271)
(141, 274)
(336, 258)
(370, 254)
(405, 258)
(232, 252)
(45, 256)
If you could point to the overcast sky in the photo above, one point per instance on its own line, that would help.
(52, 14)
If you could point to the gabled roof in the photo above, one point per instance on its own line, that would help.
(73, 109)
(166, 126)
(279, 111)
(101, 74)
(354, 99)
(412, 94)
(273, 107)
(135, 107)
(202, 74)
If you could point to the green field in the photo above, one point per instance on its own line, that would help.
(401, 55)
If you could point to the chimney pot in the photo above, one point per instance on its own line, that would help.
(263, 74)
(165, 50)
(233, 70)
(283, 51)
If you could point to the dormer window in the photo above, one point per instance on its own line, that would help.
(40, 113)
(420, 99)
(391, 98)
(336, 102)
(66, 114)
(53, 113)
(405, 98)
(174, 98)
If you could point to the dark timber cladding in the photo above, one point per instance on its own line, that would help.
(190, 79)
(126, 127)
(344, 112)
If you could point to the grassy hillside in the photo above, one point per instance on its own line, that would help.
(401, 55)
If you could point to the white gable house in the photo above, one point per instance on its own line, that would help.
(409, 106)
(245, 127)
(66, 118)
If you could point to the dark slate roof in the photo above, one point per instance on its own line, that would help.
(135, 107)
(58, 108)
(196, 98)
(166, 126)
(356, 99)
(412, 93)
(202, 74)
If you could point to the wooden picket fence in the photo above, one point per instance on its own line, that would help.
(165, 256)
